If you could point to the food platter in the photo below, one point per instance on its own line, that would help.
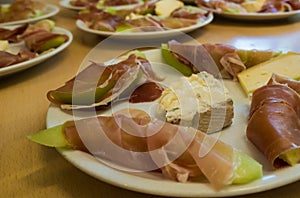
(40, 58)
(49, 11)
(145, 35)
(255, 16)
(153, 182)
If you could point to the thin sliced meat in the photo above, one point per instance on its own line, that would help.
(12, 34)
(217, 59)
(274, 120)
(180, 152)
(8, 59)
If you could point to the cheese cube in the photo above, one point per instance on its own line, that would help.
(285, 64)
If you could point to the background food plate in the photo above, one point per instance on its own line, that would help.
(145, 35)
(42, 57)
(256, 16)
(50, 10)
(155, 183)
(66, 4)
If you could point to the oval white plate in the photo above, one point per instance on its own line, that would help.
(145, 35)
(66, 4)
(155, 183)
(256, 16)
(50, 10)
(34, 61)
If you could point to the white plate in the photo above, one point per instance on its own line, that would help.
(49, 11)
(34, 61)
(145, 35)
(256, 16)
(155, 183)
(66, 4)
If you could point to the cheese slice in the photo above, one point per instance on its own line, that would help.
(3, 45)
(286, 65)
(164, 8)
(253, 5)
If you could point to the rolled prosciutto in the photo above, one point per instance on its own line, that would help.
(274, 124)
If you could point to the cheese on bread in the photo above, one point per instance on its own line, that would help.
(201, 97)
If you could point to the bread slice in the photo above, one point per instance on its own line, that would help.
(200, 100)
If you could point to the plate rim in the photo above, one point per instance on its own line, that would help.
(162, 188)
(272, 178)
(34, 61)
(53, 11)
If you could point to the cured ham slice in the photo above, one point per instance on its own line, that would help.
(214, 58)
(8, 59)
(100, 20)
(39, 36)
(221, 60)
(134, 141)
(12, 34)
(274, 121)
(42, 40)
(99, 84)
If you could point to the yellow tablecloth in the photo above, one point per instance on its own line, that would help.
(30, 170)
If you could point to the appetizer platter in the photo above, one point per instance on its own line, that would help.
(81, 5)
(19, 16)
(253, 168)
(252, 10)
(150, 19)
(24, 46)
(145, 35)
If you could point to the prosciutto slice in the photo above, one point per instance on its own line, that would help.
(221, 60)
(8, 59)
(274, 120)
(36, 40)
(12, 34)
(144, 143)
(218, 59)
(98, 19)
(99, 84)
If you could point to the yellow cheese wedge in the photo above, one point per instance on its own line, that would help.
(3, 45)
(286, 65)
(253, 5)
(164, 8)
